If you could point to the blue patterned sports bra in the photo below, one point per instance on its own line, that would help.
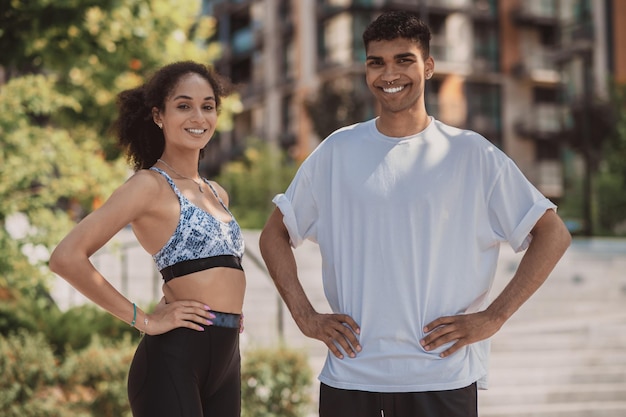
(200, 241)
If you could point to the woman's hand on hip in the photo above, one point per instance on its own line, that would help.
(185, 313)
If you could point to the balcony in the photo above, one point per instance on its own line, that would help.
(446, 5)
(226, 7)
(451, 57)
(577, 39)
(543, 122)
(550, 178)
(486, 124)
(538, 13)
(539, 66)
(482, 65)
(478, 9)
(331, 8)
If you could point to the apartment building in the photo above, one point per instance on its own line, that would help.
(516, 71)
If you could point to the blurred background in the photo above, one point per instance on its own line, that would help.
(544, 80)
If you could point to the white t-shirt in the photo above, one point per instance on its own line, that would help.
(409, 230)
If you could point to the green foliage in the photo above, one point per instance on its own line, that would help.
(19, 278)
(570, 205)
(335, 106)
(88, 377)
(45, 171)
(70, 330)
(253, 181)
(14, 318)
(29, 373)
(611, 178)
(89, 383)
(65, 62)
(41, 164)
(95, 378)
(97, 350)
(611, 205)
(275, 383)
(111, 46)
(608, 199)
(75, 328)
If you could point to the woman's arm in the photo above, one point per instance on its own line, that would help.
(70, 259)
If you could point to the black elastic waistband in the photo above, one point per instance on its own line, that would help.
(194, 265)
(230, 320)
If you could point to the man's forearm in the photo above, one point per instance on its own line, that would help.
(281, 264)
(550, 241)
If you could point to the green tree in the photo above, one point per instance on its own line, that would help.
(64, 63)
(45, 171)
(98, 48)
(336, 104)
(611, 177)
(253, 180)
(275, 382)
(29, 372)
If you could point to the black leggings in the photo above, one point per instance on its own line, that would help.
(187, 373)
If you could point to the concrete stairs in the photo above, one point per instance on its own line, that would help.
(564, 353)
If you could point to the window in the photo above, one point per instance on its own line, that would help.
(483, 110)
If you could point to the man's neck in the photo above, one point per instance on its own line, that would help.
(398, 125)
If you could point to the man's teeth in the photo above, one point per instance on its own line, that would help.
(392, 90)
(196, 131)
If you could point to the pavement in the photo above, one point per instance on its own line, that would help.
(562, 354)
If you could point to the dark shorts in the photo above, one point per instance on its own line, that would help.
(348, 403)
(187, 373)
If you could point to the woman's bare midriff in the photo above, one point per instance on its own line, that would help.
(222, 289)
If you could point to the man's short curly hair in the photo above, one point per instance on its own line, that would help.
(399, 24)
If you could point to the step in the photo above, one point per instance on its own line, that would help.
(501, 376)
(590, 409)
(547, 359)
(545, 394)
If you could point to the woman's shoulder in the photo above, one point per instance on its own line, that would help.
(144, 183)
(131, 200)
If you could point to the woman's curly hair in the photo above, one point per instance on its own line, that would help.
(137, 134)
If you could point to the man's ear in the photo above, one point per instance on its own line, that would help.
(429, 67)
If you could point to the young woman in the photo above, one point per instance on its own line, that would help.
(188, 363)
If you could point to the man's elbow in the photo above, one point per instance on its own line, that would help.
(565, 236)
(562, 233)
(273, 234)
(551, 225)
(264, 240)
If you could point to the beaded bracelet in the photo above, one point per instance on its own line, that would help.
(145, 322)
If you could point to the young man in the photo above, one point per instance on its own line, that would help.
(409, 214)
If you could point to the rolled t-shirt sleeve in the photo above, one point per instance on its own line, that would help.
(515, 206)
(299, 209)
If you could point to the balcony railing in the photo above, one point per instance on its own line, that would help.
(539, 8)
(543, 122)
(536, 12)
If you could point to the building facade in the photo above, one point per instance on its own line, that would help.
(512, 70)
